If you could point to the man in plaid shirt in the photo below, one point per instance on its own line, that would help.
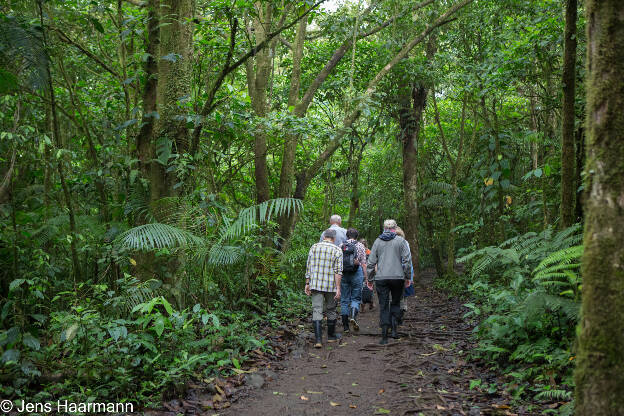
(323, 274)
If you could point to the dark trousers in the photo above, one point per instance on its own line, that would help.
(390, 292)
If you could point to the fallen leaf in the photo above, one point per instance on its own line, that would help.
(240, 371)
(334, 404)
(381, 391)
(382, 411)
(501, 406)
(314, 392)
(304, 398)
(352, 406)
(440, 407)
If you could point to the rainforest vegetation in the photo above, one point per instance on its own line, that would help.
(165, 166)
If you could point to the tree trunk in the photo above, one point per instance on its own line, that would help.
(413, 100)
(287, 173)
(599, 373)
(173, 90)
(257, 83)
(580, 164)
(568, 161)
(144, 137)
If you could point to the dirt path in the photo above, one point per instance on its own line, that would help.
(425, 372)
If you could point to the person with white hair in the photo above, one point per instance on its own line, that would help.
(391, 255)
(335, 223)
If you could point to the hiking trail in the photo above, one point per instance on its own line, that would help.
(426, 372)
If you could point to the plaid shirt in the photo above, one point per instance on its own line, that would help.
(324, 260)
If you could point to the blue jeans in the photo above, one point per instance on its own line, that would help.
(351, 290)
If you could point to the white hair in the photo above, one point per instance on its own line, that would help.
(335, 219)
(390, 224)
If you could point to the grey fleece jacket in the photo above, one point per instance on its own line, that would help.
(392, 258)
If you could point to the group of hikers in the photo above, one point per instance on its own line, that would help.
(342, 268)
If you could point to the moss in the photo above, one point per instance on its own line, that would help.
(600, 364)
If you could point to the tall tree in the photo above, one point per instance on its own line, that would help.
(172, 91)
(258, 82)
(600, 367)
(568, 161)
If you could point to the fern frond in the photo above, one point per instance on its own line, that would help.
(561, 257)
(557, 395)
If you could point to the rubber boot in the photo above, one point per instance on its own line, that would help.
(352, 319)
(331, 331)
(384, 335)
(345, 324)
(395, 325)
(318, 337)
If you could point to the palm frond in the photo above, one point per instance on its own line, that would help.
(223, 255)
(260, 214)
(156, 235)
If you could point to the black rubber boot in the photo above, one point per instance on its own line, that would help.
(384, 335)
(318, 337)
(331, 331)
(395, 325)
(352, 319)
(345, 324)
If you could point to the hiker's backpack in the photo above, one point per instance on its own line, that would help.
(348, 257)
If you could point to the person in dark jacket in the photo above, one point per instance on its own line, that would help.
(351, 282)
(391, 255)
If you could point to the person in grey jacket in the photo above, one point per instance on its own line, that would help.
(391, 255)
(335, 224)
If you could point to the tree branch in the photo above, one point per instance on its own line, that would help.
(64, 38)
(268, 39)
(209, 104)
(339, 53)
(304, 177)
(227, 69)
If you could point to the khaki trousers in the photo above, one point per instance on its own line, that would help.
(323, 302)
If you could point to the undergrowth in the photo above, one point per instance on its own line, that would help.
(524, 297)
(108, 346)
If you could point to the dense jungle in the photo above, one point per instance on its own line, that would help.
(167, 165)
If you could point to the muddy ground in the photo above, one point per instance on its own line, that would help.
(426, 372)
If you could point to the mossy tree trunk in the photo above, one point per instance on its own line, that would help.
(173, 91)
(568, 158)
(412, 101)
(600, 360)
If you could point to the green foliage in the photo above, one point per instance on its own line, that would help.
(527, 301)
(139, 351)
